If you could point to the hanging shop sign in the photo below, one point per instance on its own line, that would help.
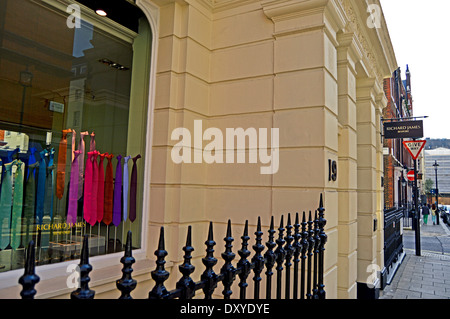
(56, 107)
(403, 129)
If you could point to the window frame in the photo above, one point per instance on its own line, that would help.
(50, 272)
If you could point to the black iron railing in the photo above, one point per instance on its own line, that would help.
(393, 239)
(298, 247)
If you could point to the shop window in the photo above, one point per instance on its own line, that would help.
(73, 116)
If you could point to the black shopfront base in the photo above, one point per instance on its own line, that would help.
(364, 292)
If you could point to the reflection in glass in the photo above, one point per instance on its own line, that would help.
(62, 90)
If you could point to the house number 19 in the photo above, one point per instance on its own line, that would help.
(332, 170)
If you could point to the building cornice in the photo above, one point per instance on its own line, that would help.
(351, 45)
(378, 54)
(282, 9)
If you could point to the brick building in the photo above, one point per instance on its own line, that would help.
(397, 190)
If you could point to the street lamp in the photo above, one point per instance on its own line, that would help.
(435, 165)
(25, 81)
(403, 182)
(404, 196)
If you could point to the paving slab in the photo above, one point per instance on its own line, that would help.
(423, 277)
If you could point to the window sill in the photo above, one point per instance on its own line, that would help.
(103, 279)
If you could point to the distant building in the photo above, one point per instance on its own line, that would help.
(433, 143)
(442, 157)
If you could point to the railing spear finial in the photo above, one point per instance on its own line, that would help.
(29, 279)
(269, 257)
(280, 254)
(323, 239)
(160, 274)
(228, 271)
(243, 264)
(186, 284)
(127, 284)
(209, 277)
(258, 259)
(83, 292)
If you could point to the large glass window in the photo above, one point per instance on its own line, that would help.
(71, 84)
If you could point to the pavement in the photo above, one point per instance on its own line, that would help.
(426, 276)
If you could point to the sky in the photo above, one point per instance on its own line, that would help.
(419, 32)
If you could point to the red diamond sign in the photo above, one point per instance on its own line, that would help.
(414, 147)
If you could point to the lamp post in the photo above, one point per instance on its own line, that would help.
(435, 165)
(404, 195)
(25, 81)
(403, 181)
(416, 209)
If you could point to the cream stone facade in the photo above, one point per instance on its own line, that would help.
(312, 68)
